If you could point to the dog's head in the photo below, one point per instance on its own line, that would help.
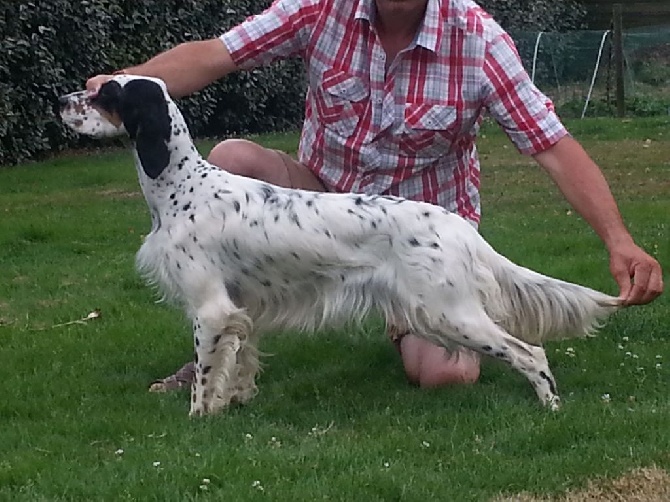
(137, 106)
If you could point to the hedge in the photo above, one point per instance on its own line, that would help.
(51, 48)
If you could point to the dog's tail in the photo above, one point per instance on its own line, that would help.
(537, 308)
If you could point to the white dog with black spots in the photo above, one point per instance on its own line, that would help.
(244, 257)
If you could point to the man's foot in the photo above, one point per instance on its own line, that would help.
(182, 379)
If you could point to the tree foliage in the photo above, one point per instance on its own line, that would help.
(536, 15)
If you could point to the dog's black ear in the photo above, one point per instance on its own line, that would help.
(108, 97)
(145, 115)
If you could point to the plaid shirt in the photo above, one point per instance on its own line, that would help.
(405, 127)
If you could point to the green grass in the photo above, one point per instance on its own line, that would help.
(335, 419)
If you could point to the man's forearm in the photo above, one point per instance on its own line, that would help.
(188, 67)
(585, 188)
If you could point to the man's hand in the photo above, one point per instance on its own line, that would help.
(94, 84)
(638, 274)
(582, 183)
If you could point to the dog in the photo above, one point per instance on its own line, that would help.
(244, 257)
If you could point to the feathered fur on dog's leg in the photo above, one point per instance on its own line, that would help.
(219, 331)
(244, 386)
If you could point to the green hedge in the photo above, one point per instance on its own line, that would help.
(51, 48)
(48, 48)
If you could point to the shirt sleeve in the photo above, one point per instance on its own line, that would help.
(280, 32)
(524, 112)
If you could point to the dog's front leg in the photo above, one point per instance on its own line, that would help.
(216, 348)
(215, 356)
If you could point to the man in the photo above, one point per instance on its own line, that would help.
(396, 93)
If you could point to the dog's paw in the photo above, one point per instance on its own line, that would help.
(244, 395)
(553, 402)
(209, 406)
(197, 411)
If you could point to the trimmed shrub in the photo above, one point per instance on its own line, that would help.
(50, 48)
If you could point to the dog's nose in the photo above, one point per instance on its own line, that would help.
(63, 101)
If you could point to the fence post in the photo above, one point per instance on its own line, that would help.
(617, 38)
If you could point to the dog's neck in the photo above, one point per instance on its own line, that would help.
(183, 154)
(184, 167)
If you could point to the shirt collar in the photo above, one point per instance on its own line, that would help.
(430, 31)
(365, 10)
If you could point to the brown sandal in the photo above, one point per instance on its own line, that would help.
(182, 379)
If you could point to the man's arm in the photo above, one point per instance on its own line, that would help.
(279, 32)
(582, 183)
(186, 68)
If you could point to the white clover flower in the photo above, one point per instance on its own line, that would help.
(119, 452)
(156, 464)
(318, 430)
(605, 398)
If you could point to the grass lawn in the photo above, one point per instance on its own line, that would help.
(335, 419)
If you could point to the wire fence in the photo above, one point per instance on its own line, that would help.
(577, 70)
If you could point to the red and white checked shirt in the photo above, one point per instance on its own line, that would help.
(409, 130)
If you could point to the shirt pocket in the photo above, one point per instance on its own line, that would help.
(341, 101)
(428, 130)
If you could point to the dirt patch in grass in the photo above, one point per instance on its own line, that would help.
(649, 484)
(120, 194)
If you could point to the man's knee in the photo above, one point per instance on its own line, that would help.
(243, 157)
(463, 371)
(428, 365)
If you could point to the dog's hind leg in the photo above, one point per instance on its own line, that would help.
(473, 328)
(219, 329)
